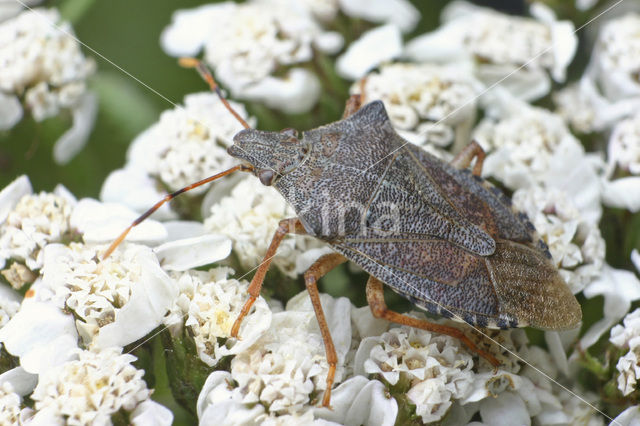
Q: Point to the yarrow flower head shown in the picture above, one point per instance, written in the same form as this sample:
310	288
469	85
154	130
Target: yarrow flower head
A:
284	368
500	44
34	221
189	142
434	366
575	244
44	68
624	145
250	216
257	39
116	300
92	389
427	104
211	302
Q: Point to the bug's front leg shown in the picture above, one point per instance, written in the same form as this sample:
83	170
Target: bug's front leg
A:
464	158
355	101
285	226
375	297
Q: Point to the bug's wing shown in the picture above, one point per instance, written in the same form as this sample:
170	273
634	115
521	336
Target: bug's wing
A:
514	287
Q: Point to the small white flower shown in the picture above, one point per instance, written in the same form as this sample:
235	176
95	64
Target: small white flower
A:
250	216
575	244
211	302
416	96
91	388
438	370
628	336
44	66
629	417
400	13
381	44
500	44
573	105
34	222
115	300
12	411
256	40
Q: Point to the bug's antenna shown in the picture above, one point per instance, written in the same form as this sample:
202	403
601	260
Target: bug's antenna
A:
167	198
206	76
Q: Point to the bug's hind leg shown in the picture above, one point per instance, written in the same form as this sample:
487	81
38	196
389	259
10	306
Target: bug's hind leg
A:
320	268
375	297
466	156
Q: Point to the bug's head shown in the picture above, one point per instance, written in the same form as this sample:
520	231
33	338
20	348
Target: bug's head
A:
272	154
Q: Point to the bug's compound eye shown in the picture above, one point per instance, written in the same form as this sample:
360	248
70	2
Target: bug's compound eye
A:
266	176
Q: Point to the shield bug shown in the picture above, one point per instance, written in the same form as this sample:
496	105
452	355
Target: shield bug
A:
434	232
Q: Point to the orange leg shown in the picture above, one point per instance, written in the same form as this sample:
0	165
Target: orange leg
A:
311	277
375	297
286	226
464	158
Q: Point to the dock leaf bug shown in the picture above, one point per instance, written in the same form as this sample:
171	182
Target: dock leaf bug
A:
434	232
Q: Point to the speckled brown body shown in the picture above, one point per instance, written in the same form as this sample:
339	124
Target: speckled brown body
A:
439	236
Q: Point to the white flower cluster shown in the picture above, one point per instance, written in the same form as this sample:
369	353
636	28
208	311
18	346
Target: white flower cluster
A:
427	104
627	336
188	143
11	410
257	39
91	389
28	222
35	221
575	244
521	145
44	67
609	89
249	216
99	291
211	302
515	51
437	370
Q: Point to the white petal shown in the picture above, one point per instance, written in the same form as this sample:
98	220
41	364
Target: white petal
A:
103	222
179	229
622	193
359	401
41	335
72	141
134	188
527	84
629	417
565	43
11	194
149	302
399	12
505	410
187	253
371	49
189	28
10	111
296	93
151	413
23	383
441	45
216	404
